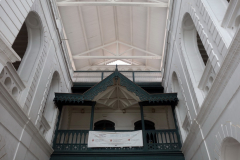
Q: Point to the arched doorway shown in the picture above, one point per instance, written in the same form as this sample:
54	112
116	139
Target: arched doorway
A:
104	125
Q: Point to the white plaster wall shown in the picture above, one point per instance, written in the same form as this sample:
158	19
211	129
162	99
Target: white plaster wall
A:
163	117
216	116
20	138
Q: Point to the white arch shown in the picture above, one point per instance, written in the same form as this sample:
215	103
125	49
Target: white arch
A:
230	149
35	45
190	47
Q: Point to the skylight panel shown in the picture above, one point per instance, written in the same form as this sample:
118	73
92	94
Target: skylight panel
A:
118	62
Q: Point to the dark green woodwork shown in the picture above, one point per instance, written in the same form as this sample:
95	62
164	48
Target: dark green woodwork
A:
75	141
158	144
109	81
153	87
117	156
120	156
143	127
92	116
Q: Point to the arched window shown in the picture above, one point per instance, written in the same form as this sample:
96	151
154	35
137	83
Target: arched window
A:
28	44
195	53
181	110
104	125
230	149
50	111
149	125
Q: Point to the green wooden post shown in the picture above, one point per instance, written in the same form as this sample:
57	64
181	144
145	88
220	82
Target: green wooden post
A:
133	76
102	76
143	128
92	116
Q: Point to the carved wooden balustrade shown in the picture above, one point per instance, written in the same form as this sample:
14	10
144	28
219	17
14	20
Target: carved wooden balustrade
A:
156	140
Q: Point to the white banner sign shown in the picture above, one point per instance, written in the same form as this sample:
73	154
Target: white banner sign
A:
115	139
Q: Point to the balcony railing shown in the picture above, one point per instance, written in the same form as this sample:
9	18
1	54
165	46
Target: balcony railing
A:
135	76
156	140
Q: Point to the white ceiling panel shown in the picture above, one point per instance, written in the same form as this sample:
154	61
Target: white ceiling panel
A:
115	31
73	29
90	19
158	20
107	22
139	27
124	29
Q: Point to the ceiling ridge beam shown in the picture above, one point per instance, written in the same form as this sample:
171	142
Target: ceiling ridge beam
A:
117	57
94	49
139	49
112	3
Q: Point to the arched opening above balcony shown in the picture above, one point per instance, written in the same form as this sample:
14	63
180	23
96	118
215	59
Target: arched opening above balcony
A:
28	45
194	51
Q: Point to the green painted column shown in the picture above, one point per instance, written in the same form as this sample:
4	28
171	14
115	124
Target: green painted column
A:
143	128
92	116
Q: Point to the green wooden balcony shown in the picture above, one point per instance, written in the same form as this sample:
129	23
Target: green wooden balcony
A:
75	141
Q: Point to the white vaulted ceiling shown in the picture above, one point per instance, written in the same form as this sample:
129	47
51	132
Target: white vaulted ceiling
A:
98	35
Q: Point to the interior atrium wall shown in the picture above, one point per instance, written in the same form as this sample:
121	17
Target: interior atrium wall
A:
23	127
213	102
